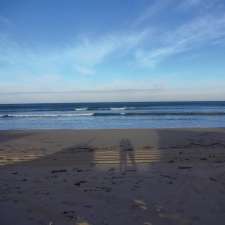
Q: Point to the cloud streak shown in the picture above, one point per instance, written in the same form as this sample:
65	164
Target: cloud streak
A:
205	30
79	58
153	9
4	21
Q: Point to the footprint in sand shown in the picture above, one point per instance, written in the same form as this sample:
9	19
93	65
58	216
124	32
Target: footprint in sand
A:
175	217
82	222
139	204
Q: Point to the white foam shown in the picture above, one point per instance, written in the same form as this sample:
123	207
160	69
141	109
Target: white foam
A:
45	115
118	108
81	109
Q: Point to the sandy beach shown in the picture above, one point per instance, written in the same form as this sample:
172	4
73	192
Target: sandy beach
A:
112	177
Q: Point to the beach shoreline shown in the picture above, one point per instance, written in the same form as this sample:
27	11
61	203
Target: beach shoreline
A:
112	176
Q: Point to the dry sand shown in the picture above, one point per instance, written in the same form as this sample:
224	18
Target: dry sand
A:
112	177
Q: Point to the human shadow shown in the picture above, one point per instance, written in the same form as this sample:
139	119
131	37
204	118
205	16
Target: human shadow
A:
126	154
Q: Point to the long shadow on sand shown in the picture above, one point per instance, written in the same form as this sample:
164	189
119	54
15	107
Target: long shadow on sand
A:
126	155
74	156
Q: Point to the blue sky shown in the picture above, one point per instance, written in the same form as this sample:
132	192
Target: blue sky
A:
79	50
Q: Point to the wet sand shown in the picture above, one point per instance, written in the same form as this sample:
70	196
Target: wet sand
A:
112	177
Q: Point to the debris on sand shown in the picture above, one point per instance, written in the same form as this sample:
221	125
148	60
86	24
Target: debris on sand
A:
59	171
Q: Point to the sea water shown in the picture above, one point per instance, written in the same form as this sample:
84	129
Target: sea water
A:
112	115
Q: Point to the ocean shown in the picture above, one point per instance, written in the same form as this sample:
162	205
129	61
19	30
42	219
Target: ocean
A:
112	115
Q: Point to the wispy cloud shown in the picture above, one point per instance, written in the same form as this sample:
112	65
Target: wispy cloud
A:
4	21
187	4
88	52
157	8
78	58
200	5
153	9
200	31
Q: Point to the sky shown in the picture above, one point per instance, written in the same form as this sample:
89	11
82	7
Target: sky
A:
104	50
